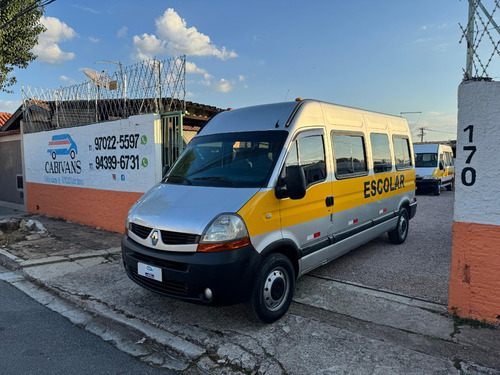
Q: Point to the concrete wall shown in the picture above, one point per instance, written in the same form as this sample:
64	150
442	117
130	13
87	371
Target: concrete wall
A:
475	264
11	166
92	174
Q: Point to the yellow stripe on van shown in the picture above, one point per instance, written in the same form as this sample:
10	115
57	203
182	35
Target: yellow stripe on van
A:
262	212
356	192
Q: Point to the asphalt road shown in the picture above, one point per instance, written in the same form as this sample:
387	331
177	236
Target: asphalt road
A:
36	340
418	268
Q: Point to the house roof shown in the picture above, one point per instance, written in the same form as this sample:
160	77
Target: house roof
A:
4	116
195	116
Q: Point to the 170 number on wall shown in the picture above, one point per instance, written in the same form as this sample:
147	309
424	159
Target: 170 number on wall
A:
469	173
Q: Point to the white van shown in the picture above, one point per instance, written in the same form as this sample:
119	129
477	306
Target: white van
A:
434	167
264	195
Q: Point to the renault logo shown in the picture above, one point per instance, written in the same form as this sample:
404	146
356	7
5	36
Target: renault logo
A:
154	238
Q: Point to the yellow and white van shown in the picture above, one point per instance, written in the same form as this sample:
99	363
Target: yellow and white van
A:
264	195
434	167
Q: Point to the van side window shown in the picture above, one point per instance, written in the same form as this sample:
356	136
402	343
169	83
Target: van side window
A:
349	153
309	152
381	151
402	152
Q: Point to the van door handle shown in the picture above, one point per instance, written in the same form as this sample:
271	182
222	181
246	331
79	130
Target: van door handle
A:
329	201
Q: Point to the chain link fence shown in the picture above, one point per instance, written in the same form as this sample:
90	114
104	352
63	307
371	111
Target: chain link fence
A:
151	86
481	34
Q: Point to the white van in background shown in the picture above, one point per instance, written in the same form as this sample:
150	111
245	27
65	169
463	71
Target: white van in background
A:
265	194
434	167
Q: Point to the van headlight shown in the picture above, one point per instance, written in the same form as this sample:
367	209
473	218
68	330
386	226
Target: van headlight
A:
225	232
429	177
127	223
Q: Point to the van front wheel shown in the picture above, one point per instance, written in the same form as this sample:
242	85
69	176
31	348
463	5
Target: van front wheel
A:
273	288
398	235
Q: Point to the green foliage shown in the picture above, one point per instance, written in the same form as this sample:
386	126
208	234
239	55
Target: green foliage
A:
19	30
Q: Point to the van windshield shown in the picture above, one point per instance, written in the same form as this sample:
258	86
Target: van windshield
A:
243	159
423	160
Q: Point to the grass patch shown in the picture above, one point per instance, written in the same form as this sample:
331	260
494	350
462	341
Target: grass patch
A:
474	323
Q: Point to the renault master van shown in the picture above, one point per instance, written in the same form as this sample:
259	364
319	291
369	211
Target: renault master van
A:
434	167
265	194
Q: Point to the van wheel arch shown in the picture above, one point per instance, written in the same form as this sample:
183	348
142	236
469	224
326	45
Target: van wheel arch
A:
288	249
399	234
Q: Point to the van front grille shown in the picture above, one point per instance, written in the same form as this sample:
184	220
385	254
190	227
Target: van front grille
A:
178	238
168	237
140	230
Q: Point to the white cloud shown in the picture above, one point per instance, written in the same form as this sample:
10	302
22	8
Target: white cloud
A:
148	46
93	40
122	33
178	39
9	106
47	49
192	68
222	85
67	79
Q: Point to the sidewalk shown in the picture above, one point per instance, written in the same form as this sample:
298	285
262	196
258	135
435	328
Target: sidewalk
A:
331	328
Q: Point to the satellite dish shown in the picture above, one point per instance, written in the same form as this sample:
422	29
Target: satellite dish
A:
100	79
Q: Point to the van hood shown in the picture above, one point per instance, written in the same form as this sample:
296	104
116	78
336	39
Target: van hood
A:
187	209
424	171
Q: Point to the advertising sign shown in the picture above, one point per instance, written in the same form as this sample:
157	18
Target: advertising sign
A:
117	155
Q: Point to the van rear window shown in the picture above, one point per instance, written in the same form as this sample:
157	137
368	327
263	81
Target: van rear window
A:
243	159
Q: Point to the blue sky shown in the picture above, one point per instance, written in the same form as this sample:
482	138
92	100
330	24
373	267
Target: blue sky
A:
387	56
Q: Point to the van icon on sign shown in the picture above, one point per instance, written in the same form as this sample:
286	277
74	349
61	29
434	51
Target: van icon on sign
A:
62	144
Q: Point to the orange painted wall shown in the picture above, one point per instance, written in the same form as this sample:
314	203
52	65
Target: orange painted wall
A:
103	209
475	271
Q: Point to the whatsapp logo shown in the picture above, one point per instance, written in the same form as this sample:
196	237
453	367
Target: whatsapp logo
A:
144	140
144	162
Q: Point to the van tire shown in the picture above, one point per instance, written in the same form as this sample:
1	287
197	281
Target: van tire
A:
273	289
437	190
398	235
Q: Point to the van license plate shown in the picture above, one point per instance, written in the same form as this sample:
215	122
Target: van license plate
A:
149	271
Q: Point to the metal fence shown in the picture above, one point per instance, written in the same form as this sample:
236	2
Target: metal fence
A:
151	86
482	38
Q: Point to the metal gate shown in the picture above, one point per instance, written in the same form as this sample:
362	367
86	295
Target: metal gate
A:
173	142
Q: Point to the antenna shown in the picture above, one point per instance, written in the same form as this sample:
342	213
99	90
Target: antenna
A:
124	82
100	79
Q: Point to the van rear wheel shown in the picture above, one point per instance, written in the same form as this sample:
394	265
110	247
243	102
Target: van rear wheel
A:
398	235
273	288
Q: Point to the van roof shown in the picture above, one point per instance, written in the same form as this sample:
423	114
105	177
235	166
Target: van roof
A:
278	115
429	147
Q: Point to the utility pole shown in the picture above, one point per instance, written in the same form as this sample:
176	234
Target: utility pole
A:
421	134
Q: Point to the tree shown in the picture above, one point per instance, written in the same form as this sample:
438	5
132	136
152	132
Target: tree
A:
19	29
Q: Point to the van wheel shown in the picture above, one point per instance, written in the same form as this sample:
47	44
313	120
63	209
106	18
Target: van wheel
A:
273	289
398	235
437	190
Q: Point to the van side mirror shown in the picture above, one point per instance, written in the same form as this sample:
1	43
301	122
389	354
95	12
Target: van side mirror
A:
293	185
441	165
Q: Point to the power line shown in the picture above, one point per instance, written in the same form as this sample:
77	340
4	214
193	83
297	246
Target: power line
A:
28	9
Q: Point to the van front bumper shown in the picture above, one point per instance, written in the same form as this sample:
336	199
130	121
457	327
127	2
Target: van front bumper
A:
229	275
424	184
